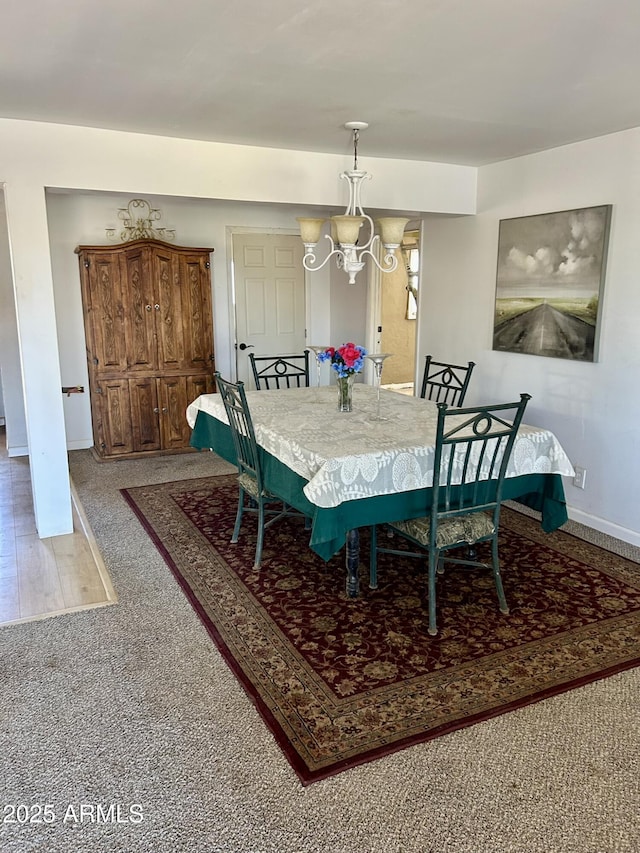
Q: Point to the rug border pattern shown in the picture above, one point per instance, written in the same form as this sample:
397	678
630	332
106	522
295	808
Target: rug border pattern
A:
310	765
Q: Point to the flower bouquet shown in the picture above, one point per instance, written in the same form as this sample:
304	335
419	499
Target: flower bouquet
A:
347	360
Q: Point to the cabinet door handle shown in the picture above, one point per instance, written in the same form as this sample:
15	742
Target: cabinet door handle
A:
157	307
164	410
156	411
148	307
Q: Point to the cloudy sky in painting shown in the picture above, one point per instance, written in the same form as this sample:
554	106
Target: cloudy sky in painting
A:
559	254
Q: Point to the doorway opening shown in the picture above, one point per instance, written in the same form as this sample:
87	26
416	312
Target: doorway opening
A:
398	311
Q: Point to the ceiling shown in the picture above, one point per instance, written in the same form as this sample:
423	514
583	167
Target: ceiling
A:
455	81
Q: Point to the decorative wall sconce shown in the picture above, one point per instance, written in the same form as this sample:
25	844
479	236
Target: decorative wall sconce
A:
138	218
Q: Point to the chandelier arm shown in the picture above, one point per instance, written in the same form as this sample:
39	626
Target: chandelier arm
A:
355	179
310	260
363	176
389	260
372	235
350	209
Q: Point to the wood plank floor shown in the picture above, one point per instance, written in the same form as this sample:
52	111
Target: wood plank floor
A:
43	577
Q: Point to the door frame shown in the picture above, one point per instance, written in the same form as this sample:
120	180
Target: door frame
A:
375	283
230	231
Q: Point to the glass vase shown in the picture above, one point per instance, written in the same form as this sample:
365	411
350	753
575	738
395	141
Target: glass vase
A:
378	360
316	350
345	393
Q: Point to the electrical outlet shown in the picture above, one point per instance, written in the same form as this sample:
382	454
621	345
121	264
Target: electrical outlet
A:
579	477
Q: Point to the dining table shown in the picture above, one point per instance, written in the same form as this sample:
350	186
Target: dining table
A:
372	465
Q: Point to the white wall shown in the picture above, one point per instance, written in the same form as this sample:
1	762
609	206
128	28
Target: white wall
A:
11	387
51	155
81	219
593	408
349	308
35	156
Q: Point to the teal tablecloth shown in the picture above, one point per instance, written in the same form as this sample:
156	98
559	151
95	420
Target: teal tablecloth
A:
542	492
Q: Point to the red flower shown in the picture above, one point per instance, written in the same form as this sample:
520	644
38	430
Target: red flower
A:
350	354
345	360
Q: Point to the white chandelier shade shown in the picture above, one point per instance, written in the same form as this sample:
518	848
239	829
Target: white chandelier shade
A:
345	228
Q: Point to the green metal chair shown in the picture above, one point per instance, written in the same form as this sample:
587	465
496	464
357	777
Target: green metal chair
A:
445	383
473	446
282	371
253	496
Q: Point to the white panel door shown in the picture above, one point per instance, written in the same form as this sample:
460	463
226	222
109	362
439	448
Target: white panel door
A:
270	297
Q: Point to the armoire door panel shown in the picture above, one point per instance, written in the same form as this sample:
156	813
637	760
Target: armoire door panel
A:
114	432
168	312
204	383
140	316
174	428
196	313
145	413
104	313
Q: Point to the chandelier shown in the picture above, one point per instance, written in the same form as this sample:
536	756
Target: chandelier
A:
345	229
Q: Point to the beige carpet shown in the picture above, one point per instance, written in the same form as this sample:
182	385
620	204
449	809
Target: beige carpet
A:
133	704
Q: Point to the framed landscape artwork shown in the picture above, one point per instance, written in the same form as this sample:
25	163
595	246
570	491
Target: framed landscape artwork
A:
549	283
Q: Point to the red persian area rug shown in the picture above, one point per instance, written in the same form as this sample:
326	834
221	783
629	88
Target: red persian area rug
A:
343	681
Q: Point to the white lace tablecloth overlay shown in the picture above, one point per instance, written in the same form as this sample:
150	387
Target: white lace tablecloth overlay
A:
348	456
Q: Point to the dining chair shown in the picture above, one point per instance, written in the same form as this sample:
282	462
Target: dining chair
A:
253	496
445	383
473	447
281	371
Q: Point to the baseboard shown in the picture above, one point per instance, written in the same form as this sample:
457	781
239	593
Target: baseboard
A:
80	445
18	451
603	526
93	545
592	529
71	445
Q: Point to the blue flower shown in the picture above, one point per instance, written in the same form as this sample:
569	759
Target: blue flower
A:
346	360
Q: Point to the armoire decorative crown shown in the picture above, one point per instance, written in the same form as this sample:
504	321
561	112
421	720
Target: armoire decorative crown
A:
138	218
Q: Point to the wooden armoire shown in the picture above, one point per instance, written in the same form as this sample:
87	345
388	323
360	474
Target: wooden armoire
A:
149	331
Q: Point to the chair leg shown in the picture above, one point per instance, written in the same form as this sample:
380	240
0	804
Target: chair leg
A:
373	559
433	566
236	529
258	557
502	601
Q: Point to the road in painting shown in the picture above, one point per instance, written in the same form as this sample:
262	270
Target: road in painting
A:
549	279
546	331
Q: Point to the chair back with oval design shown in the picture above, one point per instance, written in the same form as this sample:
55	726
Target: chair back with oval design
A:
445	383
281	371
471	457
